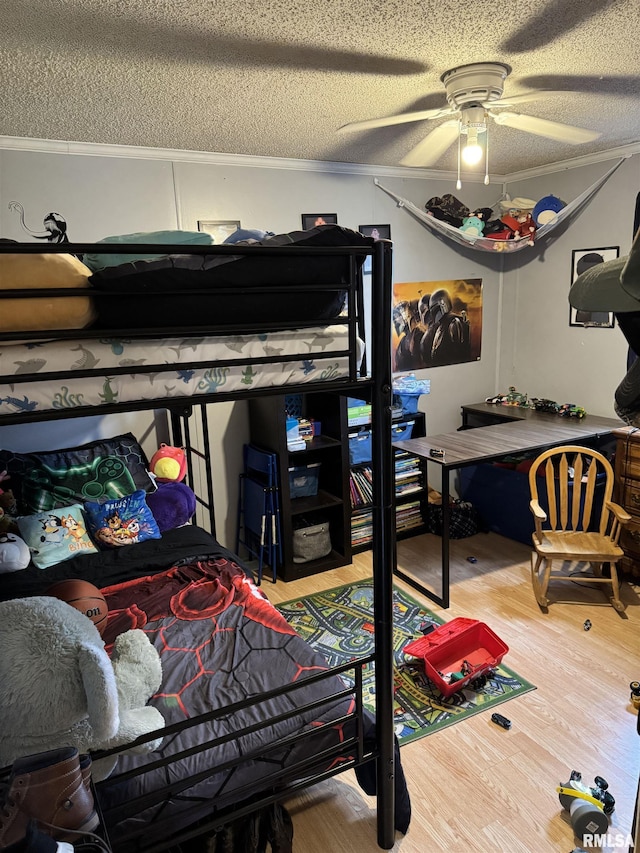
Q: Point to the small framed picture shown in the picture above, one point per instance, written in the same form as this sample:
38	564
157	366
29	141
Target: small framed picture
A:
378	232
582	260
312	220
219	229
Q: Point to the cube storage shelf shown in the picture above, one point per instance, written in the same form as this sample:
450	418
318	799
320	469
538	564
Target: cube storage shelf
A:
326	457
410	478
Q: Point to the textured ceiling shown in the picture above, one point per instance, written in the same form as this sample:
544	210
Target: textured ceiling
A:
278	77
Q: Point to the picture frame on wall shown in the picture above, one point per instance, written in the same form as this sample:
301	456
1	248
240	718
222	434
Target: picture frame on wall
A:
313	220
378	232
582	260
219	229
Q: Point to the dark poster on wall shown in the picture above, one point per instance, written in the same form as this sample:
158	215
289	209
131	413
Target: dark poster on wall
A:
436	323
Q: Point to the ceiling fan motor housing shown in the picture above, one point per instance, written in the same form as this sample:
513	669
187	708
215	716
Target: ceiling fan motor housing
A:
473	119
476	83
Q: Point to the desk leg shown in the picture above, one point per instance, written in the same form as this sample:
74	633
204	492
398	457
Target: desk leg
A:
443	599
446	527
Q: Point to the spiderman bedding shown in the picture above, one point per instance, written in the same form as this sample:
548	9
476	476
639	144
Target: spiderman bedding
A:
221	642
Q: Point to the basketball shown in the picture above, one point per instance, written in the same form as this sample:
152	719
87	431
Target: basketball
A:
85	597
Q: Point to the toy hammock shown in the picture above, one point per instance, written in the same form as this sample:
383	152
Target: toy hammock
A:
485	244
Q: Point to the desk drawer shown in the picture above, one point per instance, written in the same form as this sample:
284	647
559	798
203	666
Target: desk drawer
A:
629	566
630	539
628	459
628	495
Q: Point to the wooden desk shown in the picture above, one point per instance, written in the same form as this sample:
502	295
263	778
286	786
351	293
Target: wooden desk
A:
529	432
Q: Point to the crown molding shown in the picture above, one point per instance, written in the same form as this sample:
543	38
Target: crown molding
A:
96	149
574	163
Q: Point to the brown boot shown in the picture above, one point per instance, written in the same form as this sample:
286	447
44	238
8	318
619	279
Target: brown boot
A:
48	788
85	770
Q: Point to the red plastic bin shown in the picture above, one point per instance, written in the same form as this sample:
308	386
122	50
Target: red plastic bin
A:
444	650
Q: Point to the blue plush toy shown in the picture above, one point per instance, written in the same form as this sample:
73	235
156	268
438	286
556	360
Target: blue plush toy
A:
547	209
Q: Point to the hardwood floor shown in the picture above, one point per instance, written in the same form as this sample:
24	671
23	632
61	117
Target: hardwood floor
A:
475	786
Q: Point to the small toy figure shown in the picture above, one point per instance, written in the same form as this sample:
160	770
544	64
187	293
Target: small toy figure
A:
526	227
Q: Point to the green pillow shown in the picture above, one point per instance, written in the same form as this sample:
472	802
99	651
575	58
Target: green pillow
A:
186	238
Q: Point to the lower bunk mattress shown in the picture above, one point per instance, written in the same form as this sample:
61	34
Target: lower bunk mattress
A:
222	647
171	367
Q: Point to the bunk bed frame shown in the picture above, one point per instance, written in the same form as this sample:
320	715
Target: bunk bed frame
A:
372	382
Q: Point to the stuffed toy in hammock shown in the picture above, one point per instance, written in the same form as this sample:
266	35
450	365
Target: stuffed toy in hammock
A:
59	687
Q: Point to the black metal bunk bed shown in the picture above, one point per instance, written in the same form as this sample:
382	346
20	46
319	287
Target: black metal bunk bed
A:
372	383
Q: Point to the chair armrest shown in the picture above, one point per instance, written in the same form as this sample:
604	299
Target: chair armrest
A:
621	514
538	513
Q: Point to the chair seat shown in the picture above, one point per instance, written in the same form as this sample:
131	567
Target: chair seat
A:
570	545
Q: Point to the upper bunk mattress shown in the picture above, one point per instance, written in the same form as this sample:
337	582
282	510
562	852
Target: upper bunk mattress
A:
172	367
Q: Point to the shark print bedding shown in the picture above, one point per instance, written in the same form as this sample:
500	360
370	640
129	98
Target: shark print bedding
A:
61	374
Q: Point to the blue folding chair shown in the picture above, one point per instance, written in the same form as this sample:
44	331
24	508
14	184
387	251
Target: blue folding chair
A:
259	509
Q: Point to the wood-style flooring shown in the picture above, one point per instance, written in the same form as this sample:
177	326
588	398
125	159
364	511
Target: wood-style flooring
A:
478	788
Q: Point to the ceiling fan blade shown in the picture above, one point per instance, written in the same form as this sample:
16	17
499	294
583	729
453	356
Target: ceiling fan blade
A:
433	146
544	127
555	19
421	115
525	98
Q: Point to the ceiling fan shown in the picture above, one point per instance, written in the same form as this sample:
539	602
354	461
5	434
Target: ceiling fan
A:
472	93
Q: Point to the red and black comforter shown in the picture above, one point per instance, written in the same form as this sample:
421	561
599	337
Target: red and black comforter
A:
220	642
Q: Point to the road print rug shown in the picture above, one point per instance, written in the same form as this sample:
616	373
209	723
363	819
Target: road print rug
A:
339	624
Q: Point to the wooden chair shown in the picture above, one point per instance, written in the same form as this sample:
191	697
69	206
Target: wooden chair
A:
579	521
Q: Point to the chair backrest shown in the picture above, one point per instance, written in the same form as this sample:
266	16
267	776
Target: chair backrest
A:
573	485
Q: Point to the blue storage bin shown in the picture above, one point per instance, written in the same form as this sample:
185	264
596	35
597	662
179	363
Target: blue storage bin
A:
303	480
360	447
360	451
501	497
402	430
407	402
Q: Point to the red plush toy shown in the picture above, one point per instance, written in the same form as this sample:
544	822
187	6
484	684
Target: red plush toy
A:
168	464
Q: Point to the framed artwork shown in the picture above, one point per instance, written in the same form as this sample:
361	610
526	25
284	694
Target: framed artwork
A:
436	323
378	232
312	220
581	260
219	229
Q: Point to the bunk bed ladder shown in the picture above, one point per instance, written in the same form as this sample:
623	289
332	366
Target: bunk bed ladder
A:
199	475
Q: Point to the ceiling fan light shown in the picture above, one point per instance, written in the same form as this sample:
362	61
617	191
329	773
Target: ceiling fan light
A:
472	153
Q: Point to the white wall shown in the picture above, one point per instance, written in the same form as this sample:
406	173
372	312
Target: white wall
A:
526	337
106	195
541	354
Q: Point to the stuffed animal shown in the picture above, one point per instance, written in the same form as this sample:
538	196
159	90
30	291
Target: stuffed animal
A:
547	210
59	687
472	225
168	464
172	505
14	553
